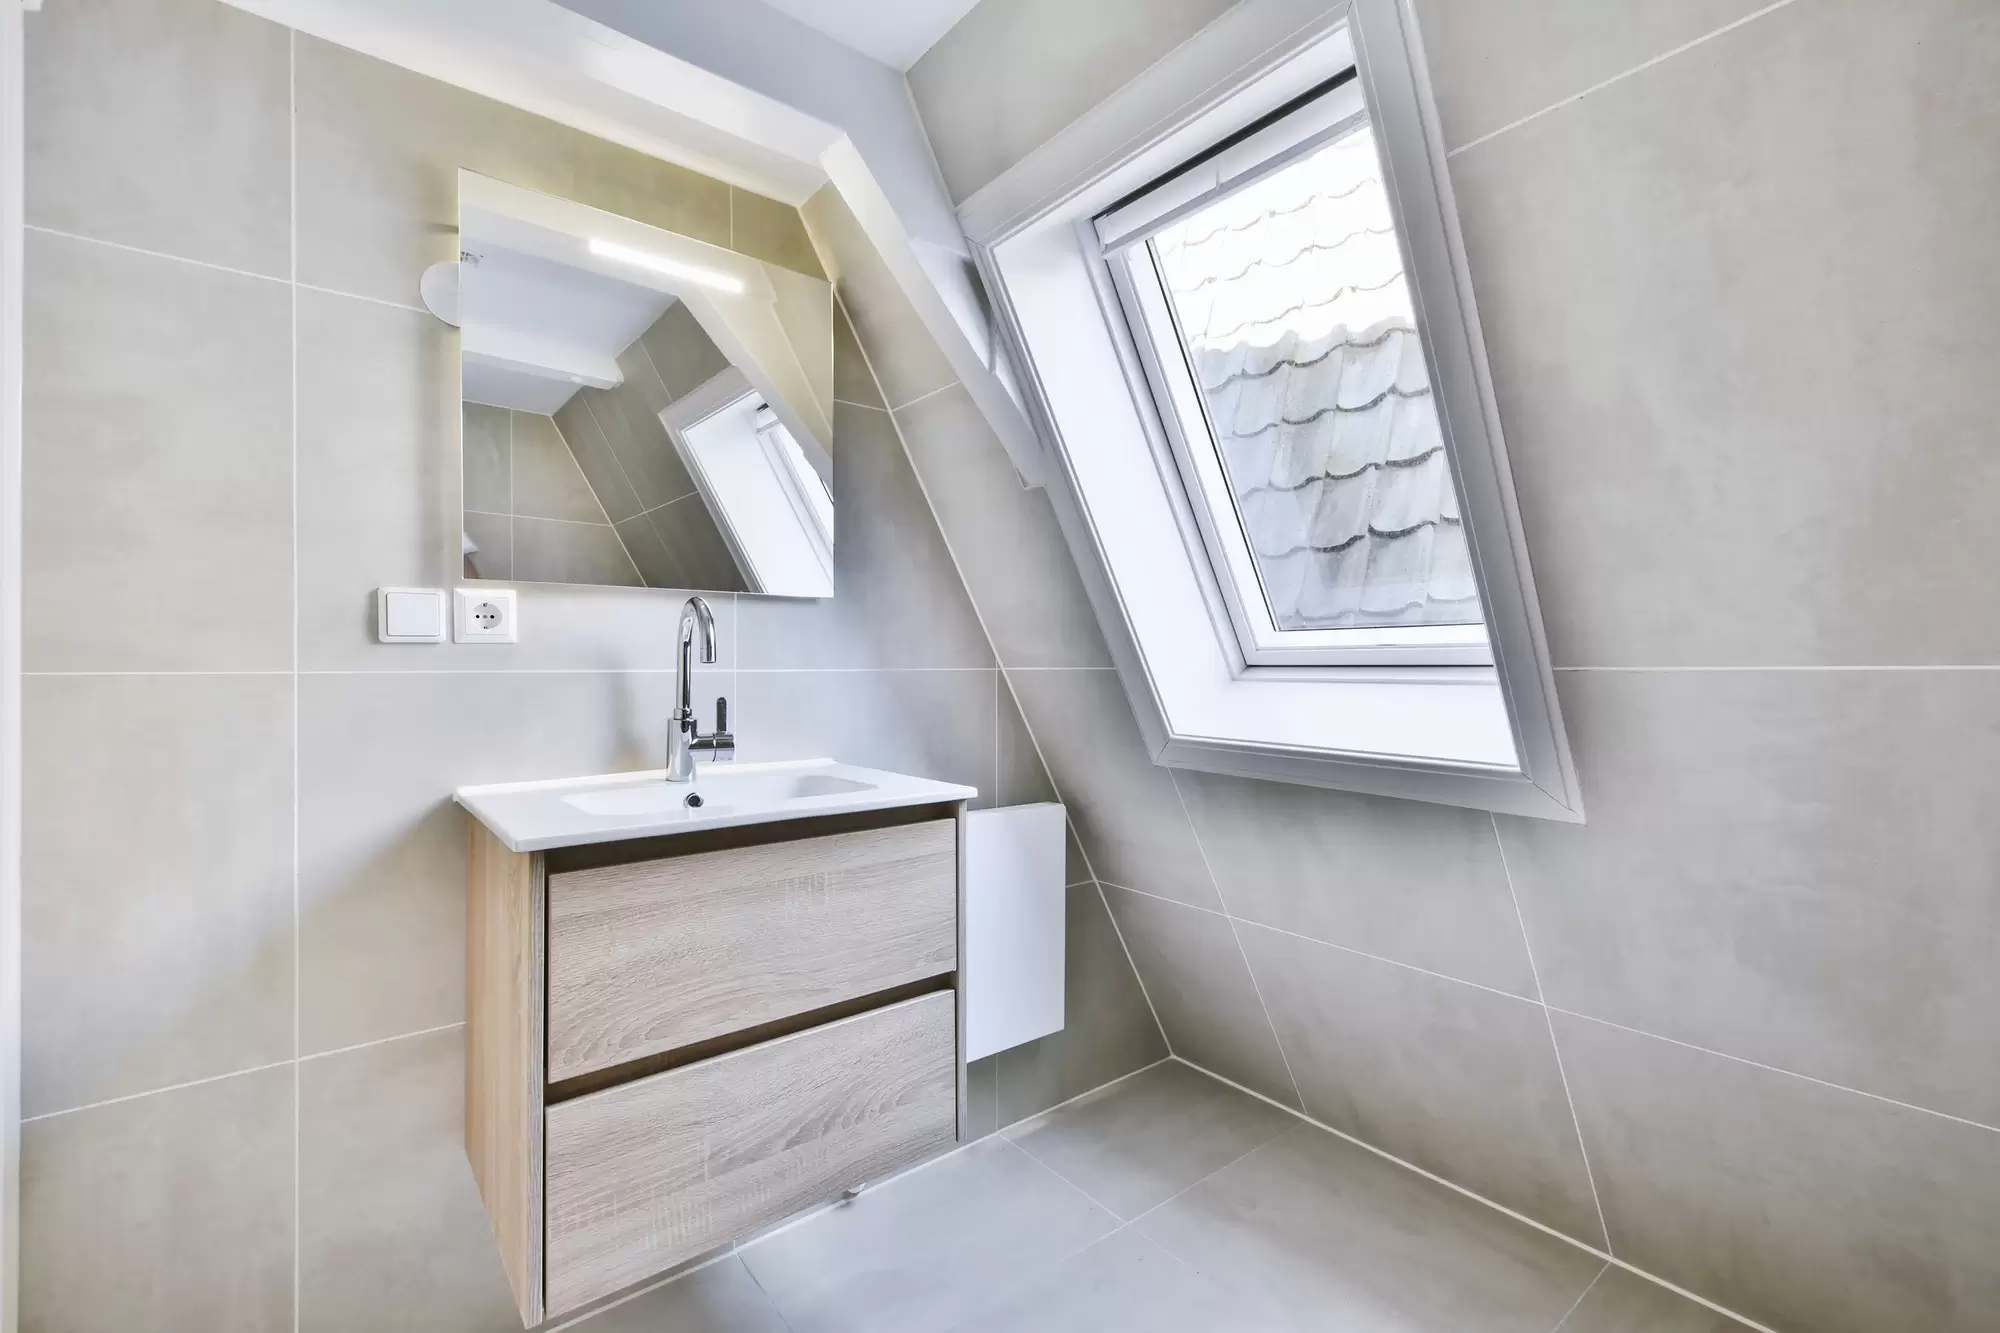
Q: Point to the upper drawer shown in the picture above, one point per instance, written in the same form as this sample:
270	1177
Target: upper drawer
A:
657	955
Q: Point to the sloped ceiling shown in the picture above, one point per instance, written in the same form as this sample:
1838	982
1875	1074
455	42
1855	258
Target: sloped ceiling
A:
895	32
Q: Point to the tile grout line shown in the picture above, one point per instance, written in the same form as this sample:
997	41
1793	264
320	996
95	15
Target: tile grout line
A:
576	463
291	281
1582	1296
1256	988
382	1041
298	1115
1774	1069
1617	78
155	1092
1558	1009
1329	944
241	1073
868	364
1068	1184
1555	1047
1502	1208
952	383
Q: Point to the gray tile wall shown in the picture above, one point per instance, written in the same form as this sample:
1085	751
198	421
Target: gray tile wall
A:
532	511
1734	268
244	885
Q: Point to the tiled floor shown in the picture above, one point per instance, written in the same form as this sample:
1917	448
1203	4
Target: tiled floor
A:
1166	1203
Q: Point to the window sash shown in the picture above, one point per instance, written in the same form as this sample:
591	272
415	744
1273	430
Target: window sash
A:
1125	233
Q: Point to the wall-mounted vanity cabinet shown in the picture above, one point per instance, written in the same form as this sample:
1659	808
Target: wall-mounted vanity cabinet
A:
677	1038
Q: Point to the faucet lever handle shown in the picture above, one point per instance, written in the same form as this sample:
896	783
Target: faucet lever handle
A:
721	715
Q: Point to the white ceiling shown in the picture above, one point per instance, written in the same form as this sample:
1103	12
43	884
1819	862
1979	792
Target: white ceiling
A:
894	32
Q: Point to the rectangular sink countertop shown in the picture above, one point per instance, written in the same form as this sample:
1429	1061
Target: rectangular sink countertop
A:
569	812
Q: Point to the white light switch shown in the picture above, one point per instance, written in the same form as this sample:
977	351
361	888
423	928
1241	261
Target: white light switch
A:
409	615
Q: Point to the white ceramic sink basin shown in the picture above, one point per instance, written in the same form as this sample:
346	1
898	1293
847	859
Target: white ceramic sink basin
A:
725	786
535	816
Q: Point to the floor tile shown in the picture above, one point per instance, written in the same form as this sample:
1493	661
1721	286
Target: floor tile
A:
719	1298
1124	1284
1146	1138
1339	1238
928	1249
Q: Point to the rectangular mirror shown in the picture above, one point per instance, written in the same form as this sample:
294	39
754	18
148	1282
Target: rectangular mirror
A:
640	408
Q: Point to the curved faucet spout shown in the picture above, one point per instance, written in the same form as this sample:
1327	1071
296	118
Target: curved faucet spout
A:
685	737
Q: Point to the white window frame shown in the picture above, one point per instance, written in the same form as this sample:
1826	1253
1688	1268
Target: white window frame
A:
1489	736
1121	237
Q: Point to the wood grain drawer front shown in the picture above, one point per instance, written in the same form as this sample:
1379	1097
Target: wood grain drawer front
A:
657	955
653	1172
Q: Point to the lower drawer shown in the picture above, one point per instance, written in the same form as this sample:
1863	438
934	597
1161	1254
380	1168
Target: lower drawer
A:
647	1174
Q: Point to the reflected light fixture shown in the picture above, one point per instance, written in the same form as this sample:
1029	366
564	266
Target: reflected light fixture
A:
672	268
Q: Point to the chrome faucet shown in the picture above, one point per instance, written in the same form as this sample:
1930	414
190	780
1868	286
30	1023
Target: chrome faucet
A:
685	740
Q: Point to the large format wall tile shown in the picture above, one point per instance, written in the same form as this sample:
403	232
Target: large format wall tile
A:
392	1234
1793	867
934	724
1108	1026
1003	535
551	551
379	150
545	479
379	506
157	464
1412	1255
1495	61
593	453
1203	991
1457	1080
382	846
898	601
1420	884
487	458
1739	309
906	361
1124	808
162	124
156	882
1803	1206
170	1213
1023	779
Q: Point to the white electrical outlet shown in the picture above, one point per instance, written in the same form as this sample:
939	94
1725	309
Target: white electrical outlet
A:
484	615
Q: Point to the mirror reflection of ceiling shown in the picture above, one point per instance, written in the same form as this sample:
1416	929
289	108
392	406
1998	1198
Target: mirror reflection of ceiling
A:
568	327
